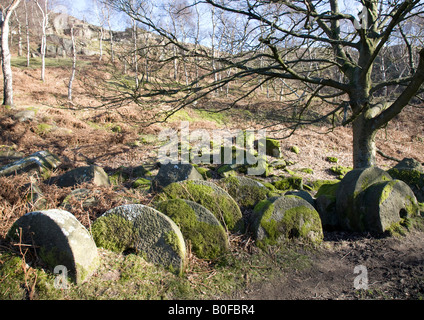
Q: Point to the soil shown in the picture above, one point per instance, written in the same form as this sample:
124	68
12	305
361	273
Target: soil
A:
394	266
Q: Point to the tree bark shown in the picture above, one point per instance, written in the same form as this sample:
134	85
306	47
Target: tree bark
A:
364	148
5	53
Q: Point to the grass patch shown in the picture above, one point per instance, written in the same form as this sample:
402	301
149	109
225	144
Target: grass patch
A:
35	63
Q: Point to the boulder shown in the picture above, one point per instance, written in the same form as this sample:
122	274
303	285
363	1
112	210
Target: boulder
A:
38	162
209	195
61	240
278	219
290	183
92	174
384	205
355	182
245	191
198	226
144	230
169	173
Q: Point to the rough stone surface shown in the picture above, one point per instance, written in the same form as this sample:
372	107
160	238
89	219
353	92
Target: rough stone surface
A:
305	195
385	204
86	197
62	240
286	217
92	174
198	226
142	229
40	162
355	182
245	191
209	195
409	163
325	203
170	173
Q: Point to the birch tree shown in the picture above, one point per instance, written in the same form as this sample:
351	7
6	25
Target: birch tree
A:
6	13
43	7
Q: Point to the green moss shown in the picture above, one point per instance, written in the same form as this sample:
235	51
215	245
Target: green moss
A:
307	170
113	233
298	222
141	183
409	176
208	241
387	190
328	189
223	206
332	159
340	170
246	196
291	183
206	173
43	128
295	149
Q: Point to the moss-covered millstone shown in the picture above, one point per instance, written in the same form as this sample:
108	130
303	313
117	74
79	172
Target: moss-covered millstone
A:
198	225
136	227
61	239
325	204
410	172
355	182
170	173
384	205
245	191
286	217
290	183
209	195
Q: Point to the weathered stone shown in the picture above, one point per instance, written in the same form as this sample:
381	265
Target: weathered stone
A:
384	205
170	173
136	227
286	217
245	191
198	226
325	203
305	195
85	197
92	174
37	162
409	163
61	240
25	115
209	195
290	183
355	182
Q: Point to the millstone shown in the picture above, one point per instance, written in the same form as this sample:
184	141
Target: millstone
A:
286	217
62	240
355	182
142	229
209	195
198	225
385	204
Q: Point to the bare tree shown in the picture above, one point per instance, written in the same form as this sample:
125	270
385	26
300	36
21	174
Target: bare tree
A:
317	48
6	13
74	64
43	7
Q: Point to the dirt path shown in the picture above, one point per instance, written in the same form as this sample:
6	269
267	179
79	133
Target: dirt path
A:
394	266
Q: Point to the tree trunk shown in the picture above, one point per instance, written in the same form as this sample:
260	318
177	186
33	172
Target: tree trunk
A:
5	53
364	148
6	59
74	65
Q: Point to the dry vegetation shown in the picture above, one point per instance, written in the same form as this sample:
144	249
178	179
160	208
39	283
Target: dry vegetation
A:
82	134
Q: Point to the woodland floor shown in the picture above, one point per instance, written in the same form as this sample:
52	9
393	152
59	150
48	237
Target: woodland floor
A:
395	265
